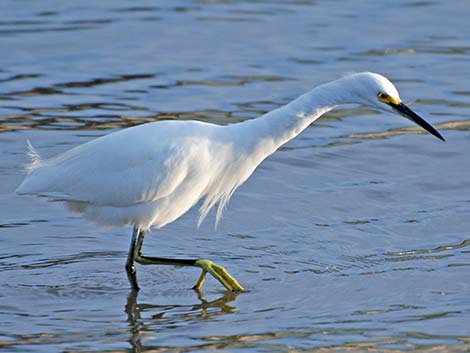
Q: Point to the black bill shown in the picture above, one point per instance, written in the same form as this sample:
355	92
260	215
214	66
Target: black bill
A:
411	115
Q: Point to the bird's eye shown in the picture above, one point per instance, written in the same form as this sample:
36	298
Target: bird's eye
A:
382	95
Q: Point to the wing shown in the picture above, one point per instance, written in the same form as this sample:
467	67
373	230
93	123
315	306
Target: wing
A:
135	165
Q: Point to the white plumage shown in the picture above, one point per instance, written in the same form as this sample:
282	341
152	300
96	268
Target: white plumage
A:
151	174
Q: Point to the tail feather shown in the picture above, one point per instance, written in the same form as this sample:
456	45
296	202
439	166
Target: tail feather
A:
35	160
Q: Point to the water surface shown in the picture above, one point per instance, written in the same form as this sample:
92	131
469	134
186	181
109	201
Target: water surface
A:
352	237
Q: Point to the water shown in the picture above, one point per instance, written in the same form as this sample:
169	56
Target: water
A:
352	237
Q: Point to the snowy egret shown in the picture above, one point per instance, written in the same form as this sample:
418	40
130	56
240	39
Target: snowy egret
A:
151	174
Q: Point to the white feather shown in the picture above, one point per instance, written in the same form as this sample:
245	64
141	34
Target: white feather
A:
34	158
151	174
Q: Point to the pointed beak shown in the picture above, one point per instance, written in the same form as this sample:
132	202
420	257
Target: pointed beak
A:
402	109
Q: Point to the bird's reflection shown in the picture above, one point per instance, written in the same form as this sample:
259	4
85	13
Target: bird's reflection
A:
203	310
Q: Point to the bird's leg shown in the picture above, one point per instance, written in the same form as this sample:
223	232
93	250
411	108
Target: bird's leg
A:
207	266
130	267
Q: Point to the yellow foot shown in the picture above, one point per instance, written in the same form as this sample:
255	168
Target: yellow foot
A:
219	273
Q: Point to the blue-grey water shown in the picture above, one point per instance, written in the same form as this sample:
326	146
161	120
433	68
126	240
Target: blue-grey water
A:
353	237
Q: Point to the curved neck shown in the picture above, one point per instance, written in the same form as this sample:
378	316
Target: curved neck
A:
267	133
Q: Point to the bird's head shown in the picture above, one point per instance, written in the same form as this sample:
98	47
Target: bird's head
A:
377	91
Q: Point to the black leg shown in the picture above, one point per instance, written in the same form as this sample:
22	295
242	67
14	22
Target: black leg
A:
130	266
151	260
135	254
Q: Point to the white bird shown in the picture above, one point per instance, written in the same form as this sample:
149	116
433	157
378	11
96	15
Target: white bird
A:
151	174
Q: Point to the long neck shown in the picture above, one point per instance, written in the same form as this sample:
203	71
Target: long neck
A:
267	133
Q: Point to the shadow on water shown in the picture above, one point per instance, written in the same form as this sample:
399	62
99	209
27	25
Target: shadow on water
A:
165	316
